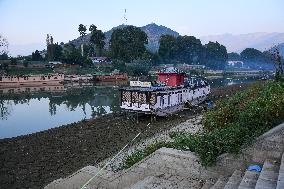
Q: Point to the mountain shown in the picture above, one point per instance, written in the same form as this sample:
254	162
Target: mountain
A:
237	43
153	32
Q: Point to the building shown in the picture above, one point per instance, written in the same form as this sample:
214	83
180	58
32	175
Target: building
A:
102	59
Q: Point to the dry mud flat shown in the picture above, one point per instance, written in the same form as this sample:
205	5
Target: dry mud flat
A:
34	160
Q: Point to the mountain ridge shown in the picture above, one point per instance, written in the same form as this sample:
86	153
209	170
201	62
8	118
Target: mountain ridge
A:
152	30
238	42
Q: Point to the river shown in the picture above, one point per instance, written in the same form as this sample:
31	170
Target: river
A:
28	110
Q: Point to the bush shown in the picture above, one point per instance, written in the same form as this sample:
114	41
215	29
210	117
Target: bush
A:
230	125
141	154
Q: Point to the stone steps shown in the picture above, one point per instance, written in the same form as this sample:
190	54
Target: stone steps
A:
221	182
280	181
249	180
235	180
269	175
170	168
161	182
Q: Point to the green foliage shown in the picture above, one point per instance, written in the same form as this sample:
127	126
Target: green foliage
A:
189	50
234	56
97	38
230	125
54	52
82	30
4	56
138	67
251	54
36	56
29	71
215	55
128	44
141	154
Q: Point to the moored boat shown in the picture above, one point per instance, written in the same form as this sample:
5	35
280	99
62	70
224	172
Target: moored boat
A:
170	94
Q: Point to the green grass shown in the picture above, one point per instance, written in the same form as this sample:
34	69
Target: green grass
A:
233	123
29	71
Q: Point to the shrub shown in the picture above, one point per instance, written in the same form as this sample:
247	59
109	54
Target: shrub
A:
231	124
141	154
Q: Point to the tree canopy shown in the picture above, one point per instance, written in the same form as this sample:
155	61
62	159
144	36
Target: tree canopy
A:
189	50
97	38
252	55
36	56
82	30
128	44
215	55
234	56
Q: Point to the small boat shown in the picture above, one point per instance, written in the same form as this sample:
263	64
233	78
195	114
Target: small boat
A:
169	94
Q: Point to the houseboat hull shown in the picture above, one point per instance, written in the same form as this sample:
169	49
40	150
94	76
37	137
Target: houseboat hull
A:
162	101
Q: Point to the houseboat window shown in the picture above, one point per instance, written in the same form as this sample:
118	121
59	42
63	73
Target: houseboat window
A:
0	78
161	100
180	97
169	99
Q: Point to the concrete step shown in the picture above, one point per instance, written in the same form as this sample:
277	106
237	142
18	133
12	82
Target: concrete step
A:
269	175
208	184
249	180
173	182
221	182
235	180
280	182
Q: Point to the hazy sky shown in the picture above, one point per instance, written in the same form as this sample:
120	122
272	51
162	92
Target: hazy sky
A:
25	23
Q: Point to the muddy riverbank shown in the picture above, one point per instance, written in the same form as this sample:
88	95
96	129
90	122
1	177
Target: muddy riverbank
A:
34	160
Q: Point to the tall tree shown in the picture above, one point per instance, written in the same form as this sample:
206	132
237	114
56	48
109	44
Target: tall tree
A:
167	43
3	45
183	49
82	30
36	56
234	56
97	38
215	55
71	55
128	44
55	51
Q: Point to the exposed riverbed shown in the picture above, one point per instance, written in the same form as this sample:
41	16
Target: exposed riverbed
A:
34	160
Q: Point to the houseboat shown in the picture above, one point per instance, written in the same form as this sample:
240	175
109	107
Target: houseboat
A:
170	94
30	80
114	76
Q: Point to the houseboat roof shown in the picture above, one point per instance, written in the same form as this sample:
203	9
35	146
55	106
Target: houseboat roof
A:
150	89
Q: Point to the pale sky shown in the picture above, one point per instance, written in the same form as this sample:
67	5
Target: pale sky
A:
25	23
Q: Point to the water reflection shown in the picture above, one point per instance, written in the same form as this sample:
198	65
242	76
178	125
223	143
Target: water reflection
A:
24	111
27	110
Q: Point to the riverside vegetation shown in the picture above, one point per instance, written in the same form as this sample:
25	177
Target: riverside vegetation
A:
231	124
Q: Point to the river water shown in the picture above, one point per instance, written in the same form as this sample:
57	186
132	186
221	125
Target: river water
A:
28	110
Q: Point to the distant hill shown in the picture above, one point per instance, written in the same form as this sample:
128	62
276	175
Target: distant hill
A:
237	43
153	32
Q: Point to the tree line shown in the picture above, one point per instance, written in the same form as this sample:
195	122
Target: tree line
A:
128	51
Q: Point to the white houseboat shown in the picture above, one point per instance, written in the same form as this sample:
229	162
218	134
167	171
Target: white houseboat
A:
31	80
170	94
